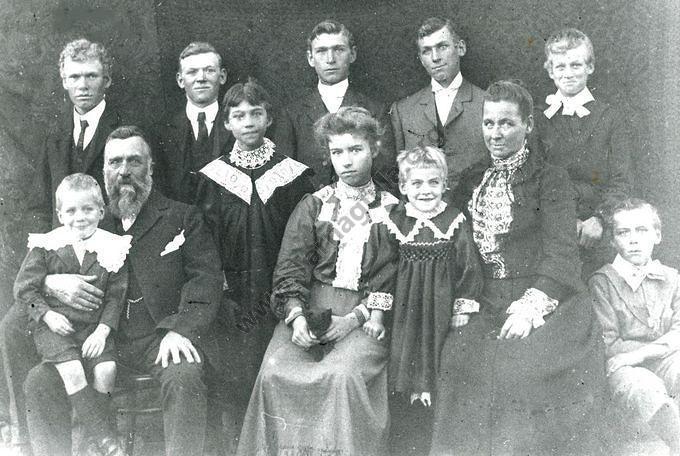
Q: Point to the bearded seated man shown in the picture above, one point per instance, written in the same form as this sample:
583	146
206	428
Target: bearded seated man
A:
172	298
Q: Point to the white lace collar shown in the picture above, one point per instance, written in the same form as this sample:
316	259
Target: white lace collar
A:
110	248
252	159
365	193
411	211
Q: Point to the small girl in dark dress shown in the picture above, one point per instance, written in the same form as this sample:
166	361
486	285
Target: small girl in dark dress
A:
439	275
247	197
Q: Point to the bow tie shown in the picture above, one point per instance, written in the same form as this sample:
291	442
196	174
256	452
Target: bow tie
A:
568	109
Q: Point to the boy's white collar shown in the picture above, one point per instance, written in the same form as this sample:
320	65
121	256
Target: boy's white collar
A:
572	105
635	275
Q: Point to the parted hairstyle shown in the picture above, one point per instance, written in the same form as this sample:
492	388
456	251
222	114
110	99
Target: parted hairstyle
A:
564	40
350	119
629	204
79	182
252	92
82	50
434	24
421	157
131	131
512	91
330	27
195	48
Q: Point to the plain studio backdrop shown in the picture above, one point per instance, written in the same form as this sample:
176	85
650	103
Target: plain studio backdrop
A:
635	68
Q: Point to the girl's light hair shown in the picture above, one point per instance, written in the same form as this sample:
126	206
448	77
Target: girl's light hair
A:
79	182
564	40
421	157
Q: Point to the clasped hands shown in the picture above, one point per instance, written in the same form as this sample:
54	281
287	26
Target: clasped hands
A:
339	328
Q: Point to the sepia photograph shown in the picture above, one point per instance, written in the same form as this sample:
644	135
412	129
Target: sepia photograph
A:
339	228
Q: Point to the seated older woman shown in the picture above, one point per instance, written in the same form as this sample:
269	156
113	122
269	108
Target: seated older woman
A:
323	395
519	377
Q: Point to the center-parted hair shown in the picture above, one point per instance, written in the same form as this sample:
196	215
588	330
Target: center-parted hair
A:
421	157
564	40
252	92
195	48
629	204
434	24
82	50
350	119
79	182
514	92
329	27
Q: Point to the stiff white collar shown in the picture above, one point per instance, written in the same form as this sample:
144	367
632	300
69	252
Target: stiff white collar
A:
337	90
571	105
635	275
453	87
210	114
411	211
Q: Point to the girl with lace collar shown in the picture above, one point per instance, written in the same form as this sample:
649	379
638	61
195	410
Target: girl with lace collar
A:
439	275
71	339
331	257
247	196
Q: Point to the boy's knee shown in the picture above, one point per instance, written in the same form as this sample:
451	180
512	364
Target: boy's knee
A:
42	378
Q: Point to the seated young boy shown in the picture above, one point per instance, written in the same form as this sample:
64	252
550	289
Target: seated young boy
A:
74	341
588	137
637	300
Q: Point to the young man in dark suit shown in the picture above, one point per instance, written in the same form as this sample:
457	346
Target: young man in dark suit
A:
196	135
74	144
172	299
448	112
330	51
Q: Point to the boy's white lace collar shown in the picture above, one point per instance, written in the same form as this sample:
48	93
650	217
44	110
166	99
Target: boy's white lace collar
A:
365	193
252	159
110	248
411	211
635	275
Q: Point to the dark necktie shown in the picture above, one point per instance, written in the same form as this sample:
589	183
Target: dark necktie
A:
81	138
202	129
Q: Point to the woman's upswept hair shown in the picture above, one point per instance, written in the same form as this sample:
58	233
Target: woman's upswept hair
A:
349	119
514	92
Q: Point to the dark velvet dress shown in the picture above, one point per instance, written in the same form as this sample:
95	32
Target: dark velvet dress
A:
521	396
439	274
331	258
247	211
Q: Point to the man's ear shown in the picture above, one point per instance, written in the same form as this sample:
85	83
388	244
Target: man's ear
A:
461	48
353	54
180	80
310	58
658	236
223	76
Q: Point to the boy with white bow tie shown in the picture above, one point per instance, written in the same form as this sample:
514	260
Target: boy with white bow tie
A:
637	301
589	138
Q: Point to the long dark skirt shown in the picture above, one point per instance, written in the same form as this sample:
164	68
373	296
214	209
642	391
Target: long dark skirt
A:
517	397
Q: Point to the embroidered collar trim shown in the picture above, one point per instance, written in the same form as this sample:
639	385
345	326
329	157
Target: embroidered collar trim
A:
365	193
252	159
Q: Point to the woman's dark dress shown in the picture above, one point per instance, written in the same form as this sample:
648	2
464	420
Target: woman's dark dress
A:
524	396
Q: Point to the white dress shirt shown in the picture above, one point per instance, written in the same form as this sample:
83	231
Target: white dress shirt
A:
210	114
92	117
332	95
444	96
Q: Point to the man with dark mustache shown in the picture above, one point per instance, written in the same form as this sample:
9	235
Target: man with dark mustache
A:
172	299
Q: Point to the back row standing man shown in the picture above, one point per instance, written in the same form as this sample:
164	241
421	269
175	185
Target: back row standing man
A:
196	135
447	113
74	144
330	51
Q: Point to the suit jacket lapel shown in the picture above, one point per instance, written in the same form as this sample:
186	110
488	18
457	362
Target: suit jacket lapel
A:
107	123
223	139
464	95
590	121
351	98
151	211
68	256
315	107
427	105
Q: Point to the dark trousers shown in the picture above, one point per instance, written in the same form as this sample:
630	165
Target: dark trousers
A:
17	357
183	399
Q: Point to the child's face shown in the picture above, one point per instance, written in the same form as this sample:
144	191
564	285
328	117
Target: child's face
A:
352	158
80	212
424	188
248	123
634	235
570	71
